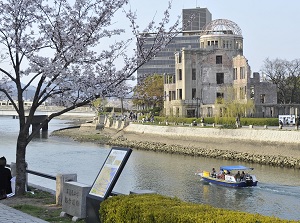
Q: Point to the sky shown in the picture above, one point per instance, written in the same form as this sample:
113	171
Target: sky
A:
269	27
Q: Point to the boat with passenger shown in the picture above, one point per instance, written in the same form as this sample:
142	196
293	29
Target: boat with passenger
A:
230	176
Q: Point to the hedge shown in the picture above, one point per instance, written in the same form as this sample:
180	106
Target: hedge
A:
220	120
153	208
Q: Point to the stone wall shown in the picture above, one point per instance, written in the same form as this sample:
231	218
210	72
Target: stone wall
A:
242	134
263	135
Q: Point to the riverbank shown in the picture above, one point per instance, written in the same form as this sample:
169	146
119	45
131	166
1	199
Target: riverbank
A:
252	151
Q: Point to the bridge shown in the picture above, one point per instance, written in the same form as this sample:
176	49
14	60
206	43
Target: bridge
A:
48	110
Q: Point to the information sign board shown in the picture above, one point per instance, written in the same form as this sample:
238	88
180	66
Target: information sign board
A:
110	172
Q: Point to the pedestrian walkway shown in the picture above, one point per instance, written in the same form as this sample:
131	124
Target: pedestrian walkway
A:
11	215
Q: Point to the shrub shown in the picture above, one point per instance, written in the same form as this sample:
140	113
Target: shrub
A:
150	208
225	121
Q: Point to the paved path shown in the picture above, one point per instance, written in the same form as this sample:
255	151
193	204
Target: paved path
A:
11	215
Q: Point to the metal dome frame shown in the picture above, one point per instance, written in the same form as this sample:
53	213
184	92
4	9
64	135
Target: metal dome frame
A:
221	26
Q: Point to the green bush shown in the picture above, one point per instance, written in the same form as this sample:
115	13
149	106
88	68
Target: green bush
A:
109	109
152	208
220	120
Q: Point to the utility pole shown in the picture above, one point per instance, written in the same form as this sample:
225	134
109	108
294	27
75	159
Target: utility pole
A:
197	109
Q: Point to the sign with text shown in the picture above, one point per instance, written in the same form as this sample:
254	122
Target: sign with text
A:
110	172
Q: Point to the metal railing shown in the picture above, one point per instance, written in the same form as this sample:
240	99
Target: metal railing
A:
48	176
51	177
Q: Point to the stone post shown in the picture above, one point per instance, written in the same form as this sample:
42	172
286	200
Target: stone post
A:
74	200
60	180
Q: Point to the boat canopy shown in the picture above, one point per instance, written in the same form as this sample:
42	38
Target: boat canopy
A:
235	168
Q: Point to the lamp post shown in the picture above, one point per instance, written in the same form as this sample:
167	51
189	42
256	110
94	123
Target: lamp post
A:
197	107
197	115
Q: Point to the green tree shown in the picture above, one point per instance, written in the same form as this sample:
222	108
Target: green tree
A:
149	93
99	104
231	107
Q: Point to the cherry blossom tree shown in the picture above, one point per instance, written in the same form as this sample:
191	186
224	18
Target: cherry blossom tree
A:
61	47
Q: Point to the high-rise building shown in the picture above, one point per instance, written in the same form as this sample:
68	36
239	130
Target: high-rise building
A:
201	16
164	61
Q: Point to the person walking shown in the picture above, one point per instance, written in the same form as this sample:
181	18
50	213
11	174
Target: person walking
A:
5	177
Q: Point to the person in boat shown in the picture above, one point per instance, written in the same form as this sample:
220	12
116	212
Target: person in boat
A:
226	172
213	173
242	176
237	176
220	174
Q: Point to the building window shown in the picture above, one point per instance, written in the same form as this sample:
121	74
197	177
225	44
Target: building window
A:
242	72
220	78
209	111
262	98
193	74
179	94
190	113
193	93
241	92
218	59
234	73
179	58
220	97
235	93
179	74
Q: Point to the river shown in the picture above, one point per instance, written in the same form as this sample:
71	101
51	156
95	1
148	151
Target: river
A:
277	193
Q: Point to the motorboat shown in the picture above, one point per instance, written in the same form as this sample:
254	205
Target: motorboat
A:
230	176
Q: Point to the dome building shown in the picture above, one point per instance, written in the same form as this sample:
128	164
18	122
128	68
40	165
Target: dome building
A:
214	73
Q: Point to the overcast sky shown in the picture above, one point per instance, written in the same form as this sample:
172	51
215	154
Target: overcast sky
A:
270	27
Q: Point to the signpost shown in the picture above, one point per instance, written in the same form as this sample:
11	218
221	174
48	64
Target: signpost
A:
105	181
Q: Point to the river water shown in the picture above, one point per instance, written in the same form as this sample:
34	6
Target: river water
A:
277	193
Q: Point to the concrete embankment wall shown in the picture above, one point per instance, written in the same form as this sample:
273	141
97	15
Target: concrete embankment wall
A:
263	135
266	135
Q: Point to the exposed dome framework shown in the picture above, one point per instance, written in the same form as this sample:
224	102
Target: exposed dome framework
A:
221	26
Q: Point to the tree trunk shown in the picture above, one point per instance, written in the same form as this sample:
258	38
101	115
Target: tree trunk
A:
21	165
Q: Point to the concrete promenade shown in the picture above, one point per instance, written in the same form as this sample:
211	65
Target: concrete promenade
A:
11	215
